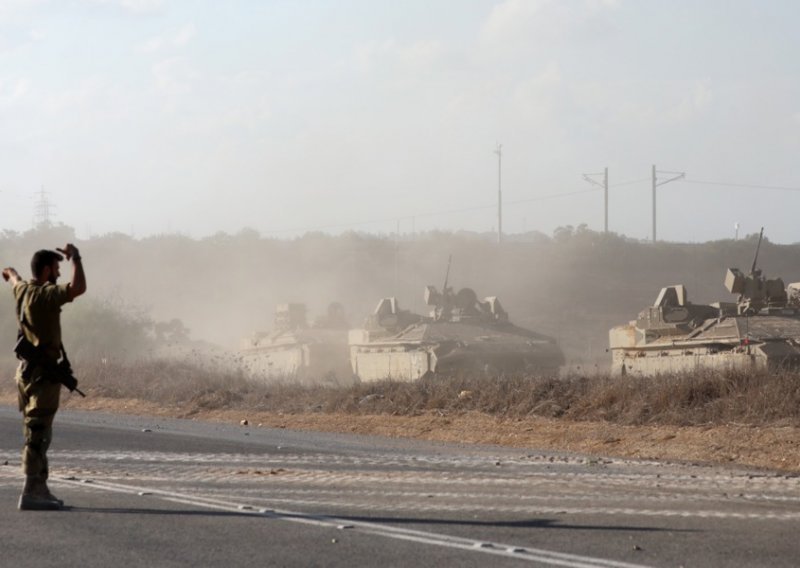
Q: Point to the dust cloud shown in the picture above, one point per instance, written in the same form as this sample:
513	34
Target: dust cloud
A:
573	286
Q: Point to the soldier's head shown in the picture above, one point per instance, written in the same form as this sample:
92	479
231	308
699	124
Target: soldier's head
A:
44	265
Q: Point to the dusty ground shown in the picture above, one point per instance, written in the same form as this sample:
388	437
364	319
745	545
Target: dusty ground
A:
772	447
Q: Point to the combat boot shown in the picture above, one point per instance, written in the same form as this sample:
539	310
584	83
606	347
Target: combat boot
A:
49	495
37	497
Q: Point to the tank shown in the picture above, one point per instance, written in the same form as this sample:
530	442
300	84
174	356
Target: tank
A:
296	350
460	334
760	330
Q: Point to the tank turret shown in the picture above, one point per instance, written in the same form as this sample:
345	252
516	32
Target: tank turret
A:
463	305
335	318
290	317
755	291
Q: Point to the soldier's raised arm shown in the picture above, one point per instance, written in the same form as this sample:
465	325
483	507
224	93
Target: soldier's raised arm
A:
78	284
10	275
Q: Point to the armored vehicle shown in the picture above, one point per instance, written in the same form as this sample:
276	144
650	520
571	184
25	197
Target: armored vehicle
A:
760	330
461	334
296	350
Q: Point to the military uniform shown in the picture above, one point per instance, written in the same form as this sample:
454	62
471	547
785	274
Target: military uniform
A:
39	311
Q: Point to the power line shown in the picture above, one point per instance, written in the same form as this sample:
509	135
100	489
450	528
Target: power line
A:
655	180
554	196
427	213
629	182
412	217
743	185
604	185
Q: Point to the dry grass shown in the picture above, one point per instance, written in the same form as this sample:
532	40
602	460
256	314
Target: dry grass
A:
684	400
730	418
708	398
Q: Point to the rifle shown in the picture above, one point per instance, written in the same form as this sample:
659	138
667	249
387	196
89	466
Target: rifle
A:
59	371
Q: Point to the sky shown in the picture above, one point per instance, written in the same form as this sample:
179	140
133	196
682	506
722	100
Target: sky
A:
196	117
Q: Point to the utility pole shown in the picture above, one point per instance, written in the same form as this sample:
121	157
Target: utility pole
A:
656	183
499	152
605	199
397	260
604	185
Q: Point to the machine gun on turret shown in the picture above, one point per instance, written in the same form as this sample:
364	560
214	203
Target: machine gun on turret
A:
755	291
441	302
463	305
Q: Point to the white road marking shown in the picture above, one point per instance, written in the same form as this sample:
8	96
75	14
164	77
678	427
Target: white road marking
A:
538	555
359	482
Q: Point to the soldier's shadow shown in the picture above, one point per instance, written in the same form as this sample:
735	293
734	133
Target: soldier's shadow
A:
144	511
540	523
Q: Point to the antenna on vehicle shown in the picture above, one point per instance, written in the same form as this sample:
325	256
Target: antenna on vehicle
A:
447	274
755	260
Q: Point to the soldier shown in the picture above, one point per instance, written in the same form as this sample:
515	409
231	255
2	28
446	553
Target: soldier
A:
39	304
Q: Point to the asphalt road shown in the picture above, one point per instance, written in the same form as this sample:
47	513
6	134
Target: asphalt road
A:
156	492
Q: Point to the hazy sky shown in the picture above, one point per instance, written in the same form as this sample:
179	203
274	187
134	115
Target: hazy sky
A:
153	116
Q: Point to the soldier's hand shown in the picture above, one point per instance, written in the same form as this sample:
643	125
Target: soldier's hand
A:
69	251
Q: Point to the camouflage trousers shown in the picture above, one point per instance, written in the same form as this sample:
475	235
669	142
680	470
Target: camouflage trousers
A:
38	402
